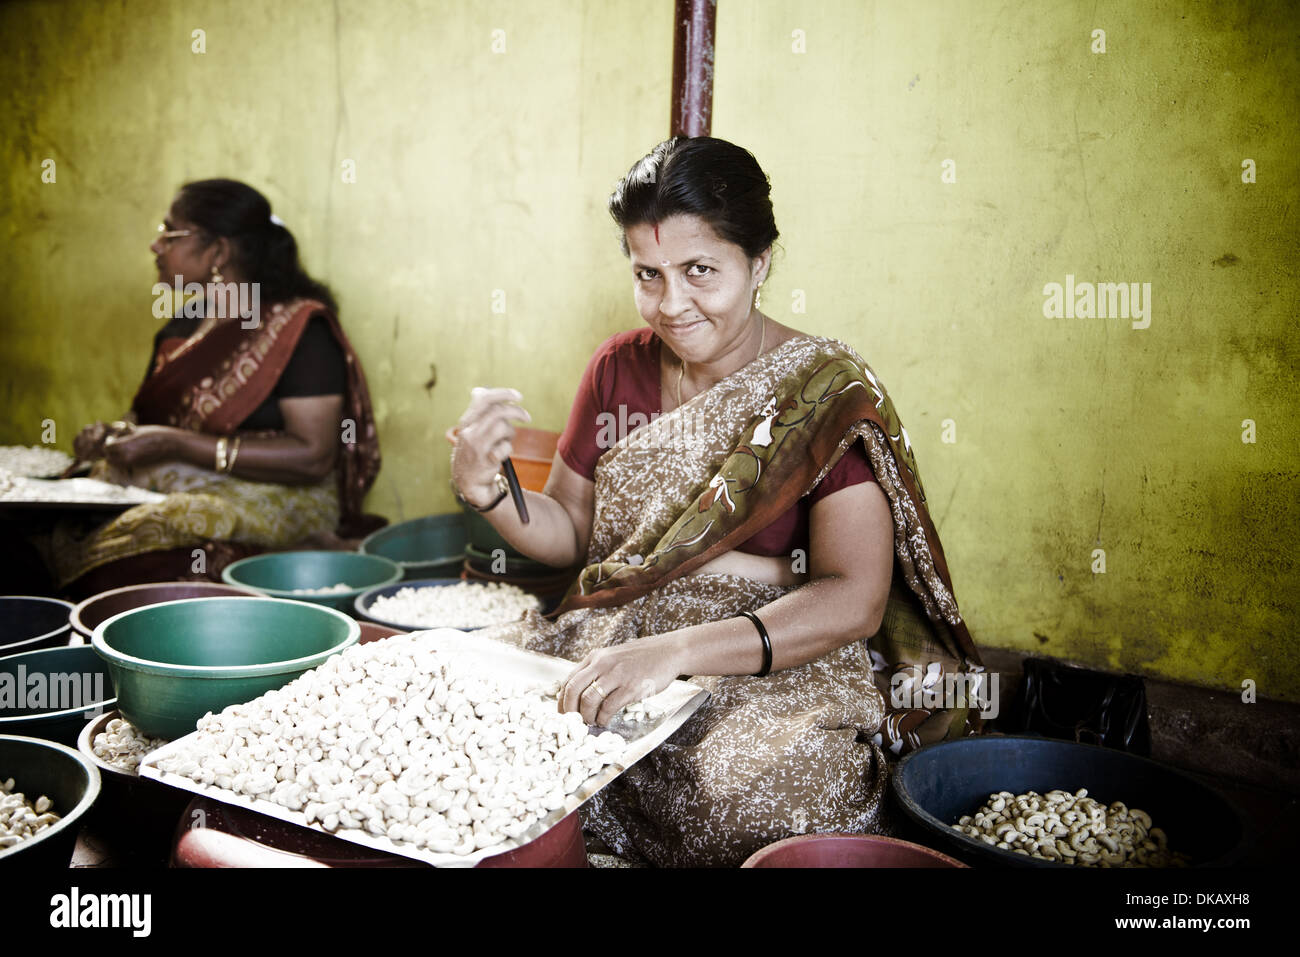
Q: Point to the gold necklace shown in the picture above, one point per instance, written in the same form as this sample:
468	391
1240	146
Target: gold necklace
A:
681	368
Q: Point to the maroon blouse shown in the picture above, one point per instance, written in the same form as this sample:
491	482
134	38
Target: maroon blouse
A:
625	372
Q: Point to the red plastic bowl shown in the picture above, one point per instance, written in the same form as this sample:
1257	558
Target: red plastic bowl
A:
848	850
372	632
212	834
97	609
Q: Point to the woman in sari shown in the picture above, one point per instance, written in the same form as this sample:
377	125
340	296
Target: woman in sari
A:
764	522
254	417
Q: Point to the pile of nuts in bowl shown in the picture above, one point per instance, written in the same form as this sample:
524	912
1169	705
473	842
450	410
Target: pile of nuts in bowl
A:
399	740
122	746
1070	828
21	819
462	605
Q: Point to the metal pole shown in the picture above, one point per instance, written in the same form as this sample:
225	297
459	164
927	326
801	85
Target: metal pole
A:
693	28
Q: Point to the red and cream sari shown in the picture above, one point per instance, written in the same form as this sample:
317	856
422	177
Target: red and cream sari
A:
211	383
803	749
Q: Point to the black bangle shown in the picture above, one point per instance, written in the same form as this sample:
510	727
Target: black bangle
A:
767	644
502	488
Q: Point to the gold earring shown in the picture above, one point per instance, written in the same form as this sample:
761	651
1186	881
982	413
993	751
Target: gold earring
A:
758	296
216	276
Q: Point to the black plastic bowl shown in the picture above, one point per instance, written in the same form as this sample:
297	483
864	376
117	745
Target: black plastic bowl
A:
938	784
51	693
66	778
28	622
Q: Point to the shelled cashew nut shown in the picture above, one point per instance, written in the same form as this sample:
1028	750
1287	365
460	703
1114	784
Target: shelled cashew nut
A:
21	819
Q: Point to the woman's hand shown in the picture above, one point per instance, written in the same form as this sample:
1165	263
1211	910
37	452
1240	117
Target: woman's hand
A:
484	442
89	443
608	679
142	445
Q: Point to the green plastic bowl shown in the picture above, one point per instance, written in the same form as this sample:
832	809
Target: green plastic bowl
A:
429	547
277	574
174	662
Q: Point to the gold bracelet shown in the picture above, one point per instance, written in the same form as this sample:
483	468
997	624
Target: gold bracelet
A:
234	454
221	455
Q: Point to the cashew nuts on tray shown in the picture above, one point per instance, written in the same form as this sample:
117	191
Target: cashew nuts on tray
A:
392	738
20	818
1070	829
35	461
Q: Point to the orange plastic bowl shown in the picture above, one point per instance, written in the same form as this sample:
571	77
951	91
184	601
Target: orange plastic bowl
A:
848	850
533	452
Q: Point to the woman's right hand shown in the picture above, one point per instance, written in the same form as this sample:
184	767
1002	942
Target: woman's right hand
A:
89	443
485	440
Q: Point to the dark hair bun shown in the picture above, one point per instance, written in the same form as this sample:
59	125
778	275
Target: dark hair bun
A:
262	250
701	176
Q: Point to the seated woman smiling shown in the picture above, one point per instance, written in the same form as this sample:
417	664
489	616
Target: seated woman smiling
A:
258	428
762	525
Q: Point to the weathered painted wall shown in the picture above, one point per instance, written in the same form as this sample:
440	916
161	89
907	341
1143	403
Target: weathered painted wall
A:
482	174
481	161
1071	435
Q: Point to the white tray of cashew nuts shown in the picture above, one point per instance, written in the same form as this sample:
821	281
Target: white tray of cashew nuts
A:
441	746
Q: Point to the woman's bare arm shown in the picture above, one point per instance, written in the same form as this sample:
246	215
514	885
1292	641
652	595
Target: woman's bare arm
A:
850	560
304	454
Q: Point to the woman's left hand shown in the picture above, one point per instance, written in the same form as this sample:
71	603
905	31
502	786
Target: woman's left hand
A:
142	445
608	679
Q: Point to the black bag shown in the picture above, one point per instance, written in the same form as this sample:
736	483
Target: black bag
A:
1091	707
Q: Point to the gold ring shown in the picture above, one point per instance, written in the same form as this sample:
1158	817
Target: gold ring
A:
600	691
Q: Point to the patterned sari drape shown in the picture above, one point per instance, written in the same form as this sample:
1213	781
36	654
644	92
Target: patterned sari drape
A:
803	748
211	383
214	382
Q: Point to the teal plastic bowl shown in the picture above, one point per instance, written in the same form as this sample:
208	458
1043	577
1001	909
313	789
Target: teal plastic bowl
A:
429	547
278	574
51	693
174	662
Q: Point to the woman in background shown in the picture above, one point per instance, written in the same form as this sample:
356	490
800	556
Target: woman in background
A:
258	427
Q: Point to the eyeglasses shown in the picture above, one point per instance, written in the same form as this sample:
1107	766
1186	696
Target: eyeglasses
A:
171	235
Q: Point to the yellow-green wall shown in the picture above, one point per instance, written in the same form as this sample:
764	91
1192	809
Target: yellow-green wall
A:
479	171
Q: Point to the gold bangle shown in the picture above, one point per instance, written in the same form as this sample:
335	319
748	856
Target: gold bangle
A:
234	454
221	455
